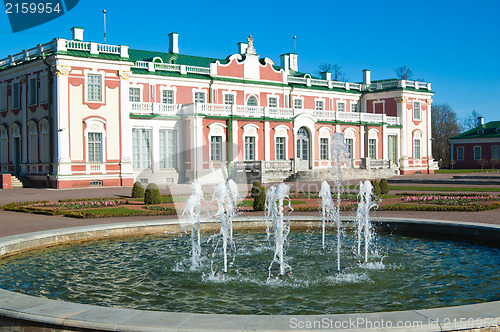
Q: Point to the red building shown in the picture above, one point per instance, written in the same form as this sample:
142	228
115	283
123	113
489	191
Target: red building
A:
478	147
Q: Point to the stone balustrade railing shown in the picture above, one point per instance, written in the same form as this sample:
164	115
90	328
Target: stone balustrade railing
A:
207	109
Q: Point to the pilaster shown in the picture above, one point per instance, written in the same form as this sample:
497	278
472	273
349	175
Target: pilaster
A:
267	141
61	123
126	166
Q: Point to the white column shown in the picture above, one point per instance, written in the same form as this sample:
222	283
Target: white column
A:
268	145
362	141
198	145
127	170
24	128
429	131
402	114
155	149
385	153
61	124
236	155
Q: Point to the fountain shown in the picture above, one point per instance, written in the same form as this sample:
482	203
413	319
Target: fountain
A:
193	209
364	226
275	217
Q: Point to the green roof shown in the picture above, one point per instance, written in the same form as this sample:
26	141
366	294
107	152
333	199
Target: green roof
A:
172	58
489	130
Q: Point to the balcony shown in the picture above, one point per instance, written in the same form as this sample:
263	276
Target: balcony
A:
206	109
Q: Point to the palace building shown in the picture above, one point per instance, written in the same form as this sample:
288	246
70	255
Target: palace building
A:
80	114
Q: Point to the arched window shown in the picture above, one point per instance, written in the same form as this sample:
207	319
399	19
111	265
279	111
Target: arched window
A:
252	101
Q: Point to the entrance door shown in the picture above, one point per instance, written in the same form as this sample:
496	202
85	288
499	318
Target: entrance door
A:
16	156
392	149
303	149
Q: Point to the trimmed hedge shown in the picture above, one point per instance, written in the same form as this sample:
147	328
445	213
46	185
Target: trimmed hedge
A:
376	188
384	186
138	190
152	195
258	193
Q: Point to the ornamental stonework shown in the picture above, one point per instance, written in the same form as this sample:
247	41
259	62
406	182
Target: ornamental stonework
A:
125	74
401	100
62	70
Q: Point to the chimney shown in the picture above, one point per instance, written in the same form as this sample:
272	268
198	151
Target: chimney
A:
289	61
326	75
285	62
242	47
173	39
77	33
480	121
366	77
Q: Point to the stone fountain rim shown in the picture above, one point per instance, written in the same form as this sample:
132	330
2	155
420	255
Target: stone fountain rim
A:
26	309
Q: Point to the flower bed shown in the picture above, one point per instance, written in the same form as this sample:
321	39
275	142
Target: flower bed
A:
448	199
81	204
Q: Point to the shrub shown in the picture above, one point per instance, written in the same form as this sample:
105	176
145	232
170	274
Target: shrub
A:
152	194
258	193
384	186
376	188
138	190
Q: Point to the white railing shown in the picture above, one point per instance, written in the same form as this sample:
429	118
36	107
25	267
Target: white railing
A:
392	120
372	118
319	82
298	80
141	64
77	45
27	54
278	165
167	66
213	109
112	49
337	84
390	84
354	86
348	116
95	168
410	84
154	108
198	70
422	85
325	115
280	113
250	111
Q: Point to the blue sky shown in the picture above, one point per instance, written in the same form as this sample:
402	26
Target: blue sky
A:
455	45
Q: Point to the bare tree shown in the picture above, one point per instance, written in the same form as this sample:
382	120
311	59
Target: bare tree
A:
483	163
444	125
404	73
494	162
470	122
336	70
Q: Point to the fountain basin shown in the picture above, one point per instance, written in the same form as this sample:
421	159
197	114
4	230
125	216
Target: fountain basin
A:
23	310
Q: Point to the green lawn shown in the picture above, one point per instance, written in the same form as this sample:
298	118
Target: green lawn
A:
450	189
458	171
114	212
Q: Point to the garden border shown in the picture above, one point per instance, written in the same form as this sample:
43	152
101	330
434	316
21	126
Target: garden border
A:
23	312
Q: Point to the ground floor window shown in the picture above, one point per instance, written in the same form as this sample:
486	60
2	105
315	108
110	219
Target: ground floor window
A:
416	149
95	147
477	153
216	148
460	153
372	149
495	152
392	148
323	148
350	147
249	148
168	149
141	148
280	148
4	155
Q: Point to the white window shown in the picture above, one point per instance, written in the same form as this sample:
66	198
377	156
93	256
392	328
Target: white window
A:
350	147
168	97
280	148
44	89
134	95
229	99
372	148
32	91
168	149
354	107
416	149
33	145
94	87
477	153
297	103
495	152
341	107
249	148
252	101
141	148
199	97
323	148
273	102
416	110
95	147
216	148
320	105
460	153
3	98
15	95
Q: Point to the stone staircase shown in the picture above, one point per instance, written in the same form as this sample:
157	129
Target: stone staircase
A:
348	174
20	182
